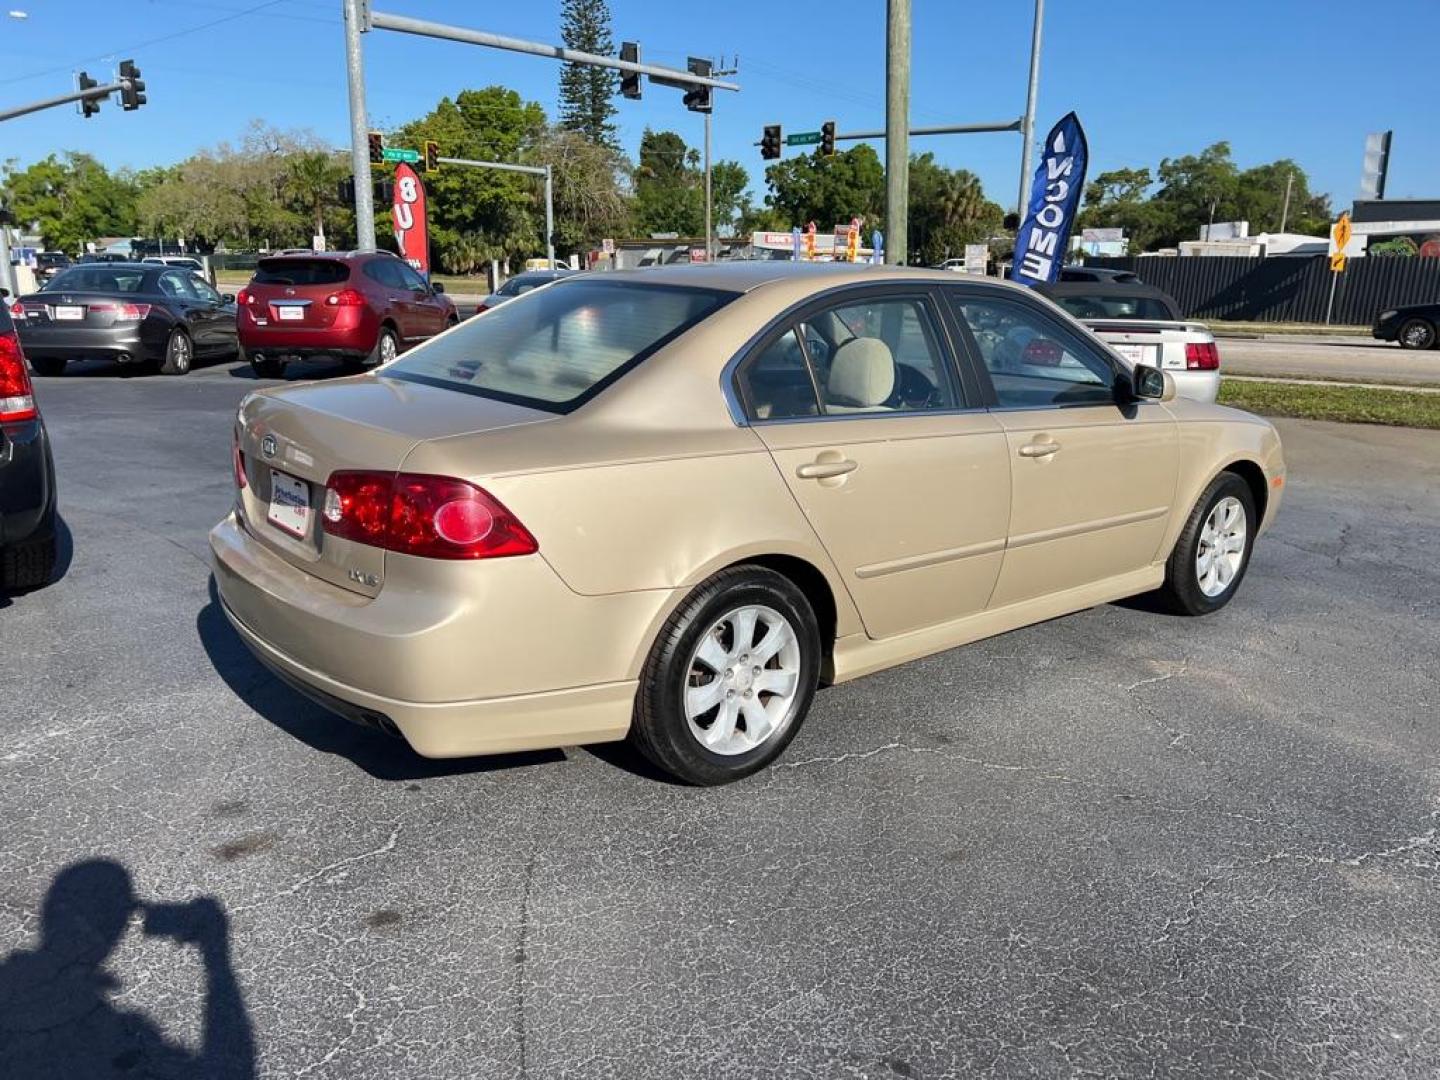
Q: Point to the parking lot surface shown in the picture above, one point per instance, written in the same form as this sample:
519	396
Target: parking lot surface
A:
1115	844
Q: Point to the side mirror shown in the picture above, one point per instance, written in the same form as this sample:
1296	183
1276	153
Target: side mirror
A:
1152	384
437	287
228	297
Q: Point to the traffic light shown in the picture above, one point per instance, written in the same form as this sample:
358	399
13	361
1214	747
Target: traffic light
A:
132	92
630	80
377	148
432	155
88	106
827	139
770	142
697	98
385	191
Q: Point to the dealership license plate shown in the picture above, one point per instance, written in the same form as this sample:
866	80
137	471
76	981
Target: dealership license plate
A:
289	503
69	314
290	313
1137	354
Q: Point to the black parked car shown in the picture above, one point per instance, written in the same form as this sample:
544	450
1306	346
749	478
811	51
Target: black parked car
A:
1415	327
1098	274
136	313
27	474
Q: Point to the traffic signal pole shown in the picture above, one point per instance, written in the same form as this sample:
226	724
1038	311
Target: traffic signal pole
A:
359	126
94	93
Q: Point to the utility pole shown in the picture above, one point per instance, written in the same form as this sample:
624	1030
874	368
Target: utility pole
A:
1027	127
550	216
897	130
359	128
1285	213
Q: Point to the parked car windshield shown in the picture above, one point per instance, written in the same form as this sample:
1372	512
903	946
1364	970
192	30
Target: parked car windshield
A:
1115	307
300	272
96	277
555	348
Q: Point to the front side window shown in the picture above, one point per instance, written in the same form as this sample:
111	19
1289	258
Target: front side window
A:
556	348
1032	361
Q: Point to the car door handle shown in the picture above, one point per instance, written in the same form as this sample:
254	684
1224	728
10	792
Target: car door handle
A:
823	470
1039	449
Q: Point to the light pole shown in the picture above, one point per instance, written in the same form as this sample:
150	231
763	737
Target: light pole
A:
1027	128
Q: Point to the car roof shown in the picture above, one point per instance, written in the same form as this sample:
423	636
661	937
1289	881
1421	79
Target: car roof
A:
1117	289
328	255
746	275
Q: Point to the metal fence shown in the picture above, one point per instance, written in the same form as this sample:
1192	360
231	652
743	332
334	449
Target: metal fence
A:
1286	288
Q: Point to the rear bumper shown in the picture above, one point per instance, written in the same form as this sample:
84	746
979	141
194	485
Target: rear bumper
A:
27	483
459	658
131	343
277	339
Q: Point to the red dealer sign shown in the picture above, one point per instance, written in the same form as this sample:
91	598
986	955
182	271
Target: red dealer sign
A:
411	234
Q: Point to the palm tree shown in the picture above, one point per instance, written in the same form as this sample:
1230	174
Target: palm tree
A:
313	182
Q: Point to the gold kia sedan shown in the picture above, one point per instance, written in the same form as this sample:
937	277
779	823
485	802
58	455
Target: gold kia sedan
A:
669	504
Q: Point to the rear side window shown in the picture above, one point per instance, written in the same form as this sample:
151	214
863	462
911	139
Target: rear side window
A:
300	272
97	277
1101	306
556	348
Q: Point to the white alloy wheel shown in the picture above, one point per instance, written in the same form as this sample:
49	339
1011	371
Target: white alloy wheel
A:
743	680
1221	551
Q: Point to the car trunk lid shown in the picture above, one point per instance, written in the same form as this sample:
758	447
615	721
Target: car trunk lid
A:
1157	342
293	439
39	312
299	292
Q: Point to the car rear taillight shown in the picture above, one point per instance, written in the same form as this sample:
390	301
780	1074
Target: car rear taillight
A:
17	310
1202	356
1041	352
17	396
417	514
122	312
243	297
237	458
346	298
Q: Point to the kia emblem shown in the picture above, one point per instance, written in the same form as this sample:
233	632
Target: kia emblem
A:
268	446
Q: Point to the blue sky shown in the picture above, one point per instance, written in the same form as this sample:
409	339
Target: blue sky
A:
1149	78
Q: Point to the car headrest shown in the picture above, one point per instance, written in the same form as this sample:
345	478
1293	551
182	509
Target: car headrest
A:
862	373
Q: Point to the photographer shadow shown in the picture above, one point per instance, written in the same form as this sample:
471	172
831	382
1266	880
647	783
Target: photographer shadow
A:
57	1013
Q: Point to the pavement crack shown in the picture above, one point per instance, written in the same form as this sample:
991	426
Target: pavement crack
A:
521	945
338	869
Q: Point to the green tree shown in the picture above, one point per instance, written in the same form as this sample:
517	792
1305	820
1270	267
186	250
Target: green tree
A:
70	199
591	201
476	215
828	190
669	187
587	93
1118	200
1260	200
313	183
948	210
1195	190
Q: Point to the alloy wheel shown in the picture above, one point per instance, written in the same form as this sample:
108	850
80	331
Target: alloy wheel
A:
743	680
1221	551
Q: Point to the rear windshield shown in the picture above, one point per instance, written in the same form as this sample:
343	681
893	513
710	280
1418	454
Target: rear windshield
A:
523	283
556	348
300	272
97	277
1115	307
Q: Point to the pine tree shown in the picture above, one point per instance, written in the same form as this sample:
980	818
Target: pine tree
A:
586	92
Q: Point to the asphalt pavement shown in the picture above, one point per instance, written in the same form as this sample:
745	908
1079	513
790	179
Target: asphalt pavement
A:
1115	844
1354	359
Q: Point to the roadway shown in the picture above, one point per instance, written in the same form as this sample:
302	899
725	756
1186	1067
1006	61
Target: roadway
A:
1348	358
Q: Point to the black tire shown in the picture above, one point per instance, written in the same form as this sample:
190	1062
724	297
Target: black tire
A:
179	353
266	367
1182	592
27	565
660	729
1417	334
49	366
378	354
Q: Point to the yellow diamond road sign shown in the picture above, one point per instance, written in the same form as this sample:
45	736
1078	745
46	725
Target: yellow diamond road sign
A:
1340	232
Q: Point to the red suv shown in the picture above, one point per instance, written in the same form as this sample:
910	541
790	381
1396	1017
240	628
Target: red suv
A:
364	307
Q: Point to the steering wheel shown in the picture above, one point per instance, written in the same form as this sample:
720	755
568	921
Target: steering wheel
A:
912	390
